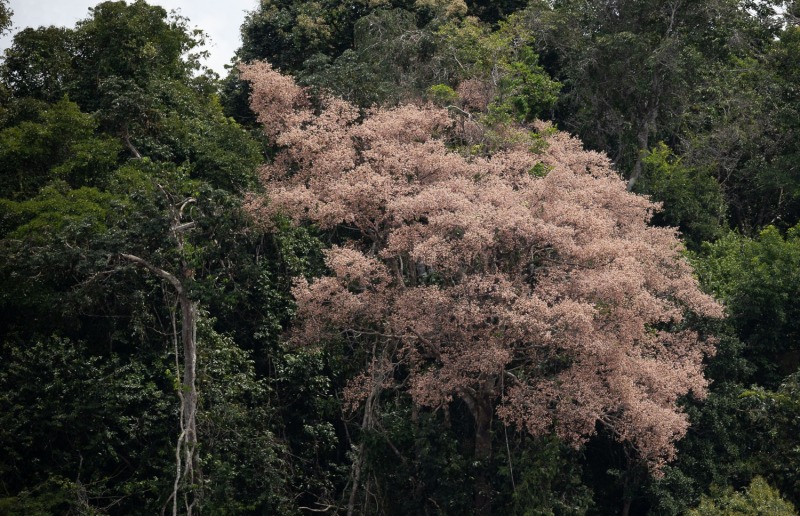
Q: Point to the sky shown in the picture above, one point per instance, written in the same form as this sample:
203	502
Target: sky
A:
220	19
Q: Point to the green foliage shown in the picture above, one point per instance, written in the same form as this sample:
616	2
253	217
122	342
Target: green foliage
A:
57	210
88	433
57	142
692	200
777	417
391	60
213	148
55	258
73	235
5	16
493	11
390	53
70	203
287	32
739	433
306	384
416	458
39	63
131	66
741	121
133	41
420	463
718	449
80	431
54	495
632	71
742	127
243	463
758	499
758	279
96	204
442	94
548	480
108	58
505	59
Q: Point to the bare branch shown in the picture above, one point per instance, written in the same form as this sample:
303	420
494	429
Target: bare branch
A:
186	226
161	273
127	139
186	202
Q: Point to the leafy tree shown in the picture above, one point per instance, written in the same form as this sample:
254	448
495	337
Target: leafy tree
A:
125	64
547	301
81	432
241	460
743	128
61	267
89	433
39	63
289	32
51	245
391	60
775	415
57	142
758	499
78	215
492	11
497	70
375	53
5	16
550	480
692	199
630	68
757	279
118	43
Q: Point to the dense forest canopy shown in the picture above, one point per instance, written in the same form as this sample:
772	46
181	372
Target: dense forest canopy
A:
430	257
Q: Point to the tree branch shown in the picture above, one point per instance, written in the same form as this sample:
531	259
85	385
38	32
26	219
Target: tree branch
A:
456	108
161	273
186	226
126	138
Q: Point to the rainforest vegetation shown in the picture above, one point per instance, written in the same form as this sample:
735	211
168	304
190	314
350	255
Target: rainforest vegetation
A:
535	257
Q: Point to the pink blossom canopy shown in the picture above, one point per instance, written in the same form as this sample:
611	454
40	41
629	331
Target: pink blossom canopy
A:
530	277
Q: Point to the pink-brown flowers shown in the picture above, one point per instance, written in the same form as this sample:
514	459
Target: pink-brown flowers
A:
528	281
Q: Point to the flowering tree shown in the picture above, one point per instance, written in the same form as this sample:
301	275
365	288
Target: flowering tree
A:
527	284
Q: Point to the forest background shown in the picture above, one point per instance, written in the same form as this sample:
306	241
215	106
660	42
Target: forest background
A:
166	341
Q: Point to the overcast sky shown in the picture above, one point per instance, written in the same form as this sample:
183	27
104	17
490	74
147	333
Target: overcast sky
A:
220	19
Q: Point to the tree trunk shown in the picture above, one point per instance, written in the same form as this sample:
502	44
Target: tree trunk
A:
189	341
481	409
187	439
188	396
643	140
367	424
483	455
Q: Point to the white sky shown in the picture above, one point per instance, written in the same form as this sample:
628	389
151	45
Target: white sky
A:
220	19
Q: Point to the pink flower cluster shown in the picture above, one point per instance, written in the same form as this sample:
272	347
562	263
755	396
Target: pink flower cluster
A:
529	280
